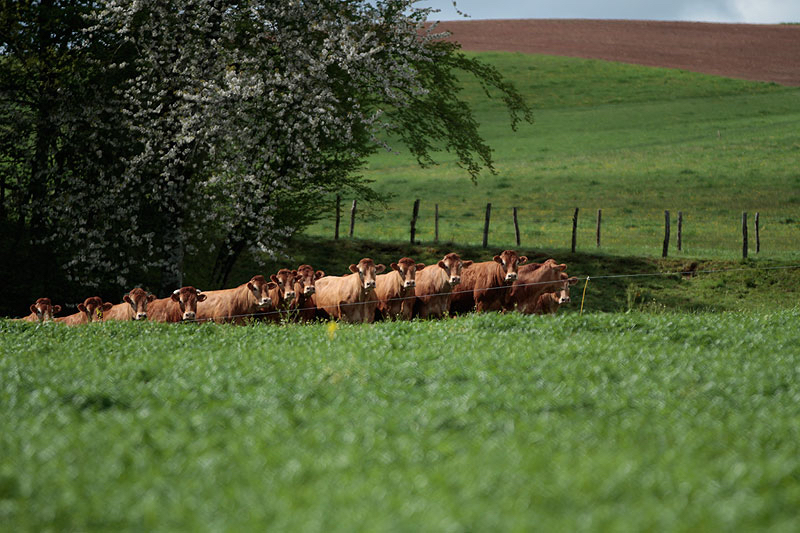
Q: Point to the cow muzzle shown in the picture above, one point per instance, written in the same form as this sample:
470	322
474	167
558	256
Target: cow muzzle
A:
265	302
289	296
563	300
369	284
455	280
309	290
141	316
409	284
188	316
511	276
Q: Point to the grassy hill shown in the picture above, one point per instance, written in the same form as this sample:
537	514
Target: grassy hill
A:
631	140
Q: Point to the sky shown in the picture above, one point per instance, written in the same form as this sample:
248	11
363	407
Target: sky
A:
748	11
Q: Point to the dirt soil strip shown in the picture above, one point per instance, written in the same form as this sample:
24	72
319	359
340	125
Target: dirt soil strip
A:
762	52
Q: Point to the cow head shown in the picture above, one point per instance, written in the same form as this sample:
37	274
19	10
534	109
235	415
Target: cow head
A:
94	308
407	269
285	279
452	264
563	293
306	280
367	270
187	298
44	310
510	261
259	287
138	300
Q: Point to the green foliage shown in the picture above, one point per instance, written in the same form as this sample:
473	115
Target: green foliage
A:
491	422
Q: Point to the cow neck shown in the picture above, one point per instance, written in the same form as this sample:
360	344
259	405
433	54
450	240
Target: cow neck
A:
243	298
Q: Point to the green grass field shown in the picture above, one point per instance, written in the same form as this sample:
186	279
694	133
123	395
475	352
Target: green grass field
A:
630	140
622	422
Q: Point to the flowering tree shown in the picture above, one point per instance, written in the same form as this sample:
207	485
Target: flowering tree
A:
233	121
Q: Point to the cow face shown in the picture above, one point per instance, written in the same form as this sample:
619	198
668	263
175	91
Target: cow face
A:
563	293
138	300
452	264
510	262
306	279
187	298
367	270
94	308
285	279
44	310
259	287
407	269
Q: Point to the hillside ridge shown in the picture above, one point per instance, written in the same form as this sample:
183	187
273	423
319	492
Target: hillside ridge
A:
758	52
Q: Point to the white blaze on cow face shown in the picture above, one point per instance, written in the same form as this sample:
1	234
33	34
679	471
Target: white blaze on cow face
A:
452	264
510	262
367	270
187	298
138	300
260	287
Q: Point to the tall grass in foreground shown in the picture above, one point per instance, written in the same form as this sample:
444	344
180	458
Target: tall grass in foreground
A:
491	422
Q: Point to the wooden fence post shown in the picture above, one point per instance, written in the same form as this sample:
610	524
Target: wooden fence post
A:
666	234
744	235
516	226
680	230
574	229
758	234
414	214
599	221
486	225
336	231
436	223
352	218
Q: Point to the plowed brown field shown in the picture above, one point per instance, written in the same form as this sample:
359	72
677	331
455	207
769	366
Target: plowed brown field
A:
764	52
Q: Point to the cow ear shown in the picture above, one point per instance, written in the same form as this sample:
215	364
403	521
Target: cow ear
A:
151	297
272	285
420	266
522	260
353	269
466	264
107	306
176	296
319	274
393	265
441	264
201	297
127	299
573	280
274	278
380	268
34	310
81	308
56	309
294	273
562	267
251	287
497	259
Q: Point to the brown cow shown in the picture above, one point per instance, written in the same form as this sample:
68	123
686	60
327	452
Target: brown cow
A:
42	311
180	306
485	286
535	280
352	297
395	290
435	285
282	295
238	304
549	302
304	306
91	310
133	306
